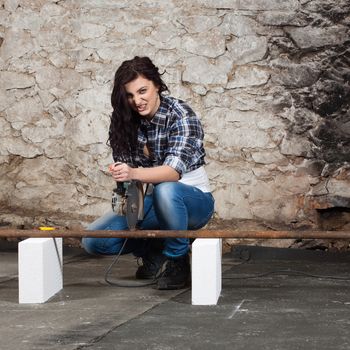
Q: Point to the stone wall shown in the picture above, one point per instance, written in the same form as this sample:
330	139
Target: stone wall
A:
269	79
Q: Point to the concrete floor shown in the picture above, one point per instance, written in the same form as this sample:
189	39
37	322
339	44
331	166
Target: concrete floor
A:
284	309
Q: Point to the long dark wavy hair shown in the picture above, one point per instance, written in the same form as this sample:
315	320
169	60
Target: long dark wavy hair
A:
124	120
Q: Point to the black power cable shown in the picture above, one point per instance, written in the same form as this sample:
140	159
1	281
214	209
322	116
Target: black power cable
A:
127	283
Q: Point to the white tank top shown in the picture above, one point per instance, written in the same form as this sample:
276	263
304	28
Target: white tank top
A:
197	178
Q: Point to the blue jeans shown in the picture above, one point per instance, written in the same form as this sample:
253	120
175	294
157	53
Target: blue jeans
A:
171	206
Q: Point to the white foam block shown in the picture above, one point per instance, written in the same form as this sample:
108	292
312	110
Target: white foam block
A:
206	271
40	274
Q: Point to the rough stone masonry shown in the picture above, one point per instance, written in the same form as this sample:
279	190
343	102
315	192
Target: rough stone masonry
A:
269	79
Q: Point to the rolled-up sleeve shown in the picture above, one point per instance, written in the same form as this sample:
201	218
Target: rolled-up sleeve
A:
185	144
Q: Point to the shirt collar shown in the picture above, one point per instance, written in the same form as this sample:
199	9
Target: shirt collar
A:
160	117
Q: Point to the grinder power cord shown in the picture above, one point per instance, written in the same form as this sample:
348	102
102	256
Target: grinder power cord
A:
128	201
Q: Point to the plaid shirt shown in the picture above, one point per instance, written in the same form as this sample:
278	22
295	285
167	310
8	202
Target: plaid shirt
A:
174	137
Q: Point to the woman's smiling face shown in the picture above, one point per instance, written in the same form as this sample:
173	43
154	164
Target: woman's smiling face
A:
143	96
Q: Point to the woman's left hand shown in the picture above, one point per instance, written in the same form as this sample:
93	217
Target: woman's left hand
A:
121	172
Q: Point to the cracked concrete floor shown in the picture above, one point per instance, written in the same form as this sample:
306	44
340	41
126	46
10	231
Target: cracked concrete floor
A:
285	306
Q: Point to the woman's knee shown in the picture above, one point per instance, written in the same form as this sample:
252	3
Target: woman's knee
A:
165	190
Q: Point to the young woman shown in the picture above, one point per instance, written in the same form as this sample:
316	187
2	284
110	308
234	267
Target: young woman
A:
162	138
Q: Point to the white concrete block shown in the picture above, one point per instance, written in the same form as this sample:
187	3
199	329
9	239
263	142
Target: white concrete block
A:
40	273
206	271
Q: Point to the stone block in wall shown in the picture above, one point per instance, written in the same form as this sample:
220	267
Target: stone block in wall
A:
61	60
238	25
43	171
95	99
312	167
86	30
296	146
88	128
199	89
27	19
222	154
302	120
46	98
228	174
5	129
47	77
67	106
248	76
72	81
236	99
314	37
283	18
244	137
43	130
60	82
104	4
25	111
98	72
268	157
199	23
247	49
95	185
231	201
16	146
240	129
165	36
273	125
209	44
262	191
280	210
200	70
10	5
96	209
319	189
7	99
57	197
16	44
54	148
289	184
61	39
294	75
78	158
48	10
262	5
255	119
14	80
337	187
166	58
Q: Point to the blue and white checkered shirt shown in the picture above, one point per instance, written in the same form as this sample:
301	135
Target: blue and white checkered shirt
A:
174	137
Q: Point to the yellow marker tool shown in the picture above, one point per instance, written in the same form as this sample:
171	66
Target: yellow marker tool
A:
46	228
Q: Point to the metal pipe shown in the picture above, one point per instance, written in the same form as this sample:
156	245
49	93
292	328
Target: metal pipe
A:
223	233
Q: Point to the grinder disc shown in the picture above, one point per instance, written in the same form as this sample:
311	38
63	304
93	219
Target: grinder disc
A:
134	208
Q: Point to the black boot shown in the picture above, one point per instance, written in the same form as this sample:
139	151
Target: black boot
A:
151	265
177	273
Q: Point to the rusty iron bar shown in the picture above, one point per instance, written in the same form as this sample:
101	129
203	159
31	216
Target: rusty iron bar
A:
204	233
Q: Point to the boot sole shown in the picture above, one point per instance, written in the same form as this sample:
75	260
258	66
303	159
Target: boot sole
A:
145	277
165	286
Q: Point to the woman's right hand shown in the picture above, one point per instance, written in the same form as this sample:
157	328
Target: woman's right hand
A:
121	172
